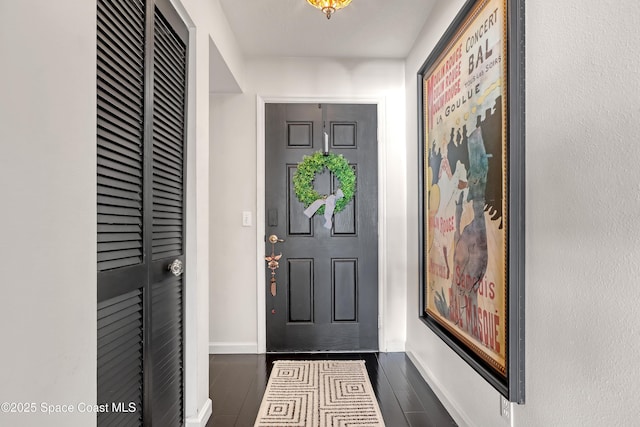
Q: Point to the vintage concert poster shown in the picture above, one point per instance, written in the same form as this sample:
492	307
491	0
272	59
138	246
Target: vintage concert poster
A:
465	178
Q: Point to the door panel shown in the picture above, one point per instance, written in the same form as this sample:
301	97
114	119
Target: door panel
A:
327	292
120	135
344	290
344	223
300	290
120	338
121	268
297	225
167	223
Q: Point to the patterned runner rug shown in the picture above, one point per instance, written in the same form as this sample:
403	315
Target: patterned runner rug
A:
321	393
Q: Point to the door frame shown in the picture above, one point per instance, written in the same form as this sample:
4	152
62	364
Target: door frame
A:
260	205
196	284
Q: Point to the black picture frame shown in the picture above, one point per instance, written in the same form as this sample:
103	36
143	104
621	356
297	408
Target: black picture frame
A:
437	90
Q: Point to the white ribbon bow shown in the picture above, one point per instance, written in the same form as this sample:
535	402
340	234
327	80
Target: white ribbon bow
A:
330	205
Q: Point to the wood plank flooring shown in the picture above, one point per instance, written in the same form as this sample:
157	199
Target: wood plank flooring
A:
237	383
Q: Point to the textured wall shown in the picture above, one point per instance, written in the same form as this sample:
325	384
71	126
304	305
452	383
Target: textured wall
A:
48	209
583	198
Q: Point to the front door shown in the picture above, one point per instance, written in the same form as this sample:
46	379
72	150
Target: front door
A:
326	286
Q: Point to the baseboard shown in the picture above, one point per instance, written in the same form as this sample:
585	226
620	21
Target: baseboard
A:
457	413
201	419
233	348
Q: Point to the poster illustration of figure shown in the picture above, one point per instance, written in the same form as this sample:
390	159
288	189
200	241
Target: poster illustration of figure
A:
465	194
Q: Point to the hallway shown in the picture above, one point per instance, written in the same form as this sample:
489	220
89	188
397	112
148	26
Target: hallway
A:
582	252
237	383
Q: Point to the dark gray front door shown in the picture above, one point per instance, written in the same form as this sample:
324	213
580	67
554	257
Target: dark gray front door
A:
327	283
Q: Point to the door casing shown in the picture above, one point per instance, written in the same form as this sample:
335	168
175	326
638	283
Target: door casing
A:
260	211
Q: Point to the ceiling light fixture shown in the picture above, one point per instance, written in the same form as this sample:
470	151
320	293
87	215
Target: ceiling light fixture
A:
329	6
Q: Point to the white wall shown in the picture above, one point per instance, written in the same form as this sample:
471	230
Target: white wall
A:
48	215
210	33
583	250
233	247
233	262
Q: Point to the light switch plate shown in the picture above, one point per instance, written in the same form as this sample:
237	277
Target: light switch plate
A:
246	218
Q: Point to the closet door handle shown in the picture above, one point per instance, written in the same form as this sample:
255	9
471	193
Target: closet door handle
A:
176	267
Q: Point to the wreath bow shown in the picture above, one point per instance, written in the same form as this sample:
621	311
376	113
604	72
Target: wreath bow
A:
330	204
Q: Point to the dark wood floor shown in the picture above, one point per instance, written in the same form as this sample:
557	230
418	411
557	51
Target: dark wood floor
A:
237	383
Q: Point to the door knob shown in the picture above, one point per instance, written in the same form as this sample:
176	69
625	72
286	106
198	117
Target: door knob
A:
273	239
176	267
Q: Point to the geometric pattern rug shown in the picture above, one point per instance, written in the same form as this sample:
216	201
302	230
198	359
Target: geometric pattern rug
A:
319	393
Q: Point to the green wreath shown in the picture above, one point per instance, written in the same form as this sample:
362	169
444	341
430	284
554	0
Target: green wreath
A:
306	173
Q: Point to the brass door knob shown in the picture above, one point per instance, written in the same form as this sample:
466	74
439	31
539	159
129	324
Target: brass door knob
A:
273	239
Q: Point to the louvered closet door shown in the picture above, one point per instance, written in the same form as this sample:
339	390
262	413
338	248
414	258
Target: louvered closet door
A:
167	230
141	81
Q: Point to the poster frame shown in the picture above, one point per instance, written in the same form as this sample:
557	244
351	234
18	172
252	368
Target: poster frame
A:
511	383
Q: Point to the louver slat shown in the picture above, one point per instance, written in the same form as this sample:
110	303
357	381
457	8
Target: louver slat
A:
128	14
117	104
168	140
120	357
168	164
111	152
175	191
115	201
164	174
169	183
172	68
167	132
120	60
111	118
110	142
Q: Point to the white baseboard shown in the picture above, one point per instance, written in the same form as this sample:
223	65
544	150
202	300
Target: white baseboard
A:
252	347
233	348
201	419
457	413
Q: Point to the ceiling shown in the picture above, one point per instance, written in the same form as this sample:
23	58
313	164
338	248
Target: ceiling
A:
364	29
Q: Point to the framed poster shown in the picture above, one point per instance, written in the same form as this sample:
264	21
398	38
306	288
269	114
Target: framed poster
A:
471	96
